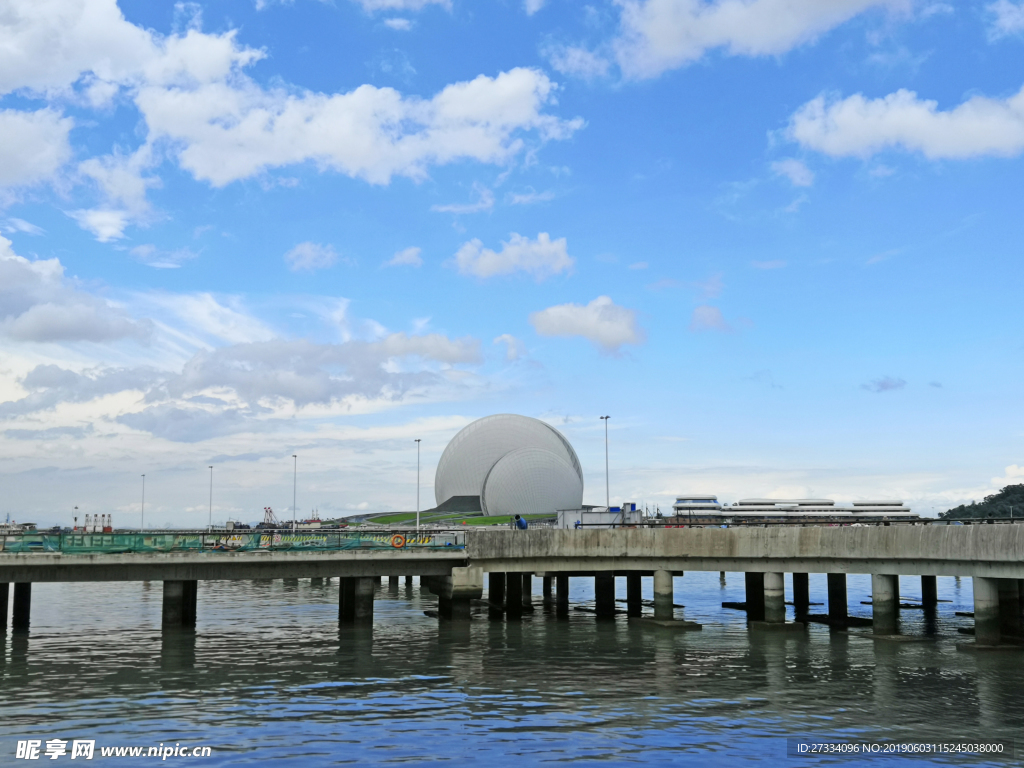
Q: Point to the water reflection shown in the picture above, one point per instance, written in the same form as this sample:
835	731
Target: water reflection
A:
269	674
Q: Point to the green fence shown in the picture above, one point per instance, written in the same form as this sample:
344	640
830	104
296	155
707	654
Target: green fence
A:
229	541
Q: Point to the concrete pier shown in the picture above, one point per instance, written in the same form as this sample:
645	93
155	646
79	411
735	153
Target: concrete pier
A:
546	591
355	599
986	611
1009	608
455	593
838	606
22	605
634	595
604	595
774	598
528	592
801	594
4	592
496	595
755	595
929	592
513	595
393	583
408	581
562	596
884	603
179	605
664	596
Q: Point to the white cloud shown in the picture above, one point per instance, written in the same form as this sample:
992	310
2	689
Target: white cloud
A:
20	225
38	304
658	35
401	25
799	175
532	6
120	177
541	258
857	126
711	288
227	131
531	197
308	257
407	257
154	257
485	202
224	320
708	318
33	145
514	348
104	223
1009	18
603	322
577	61
370	6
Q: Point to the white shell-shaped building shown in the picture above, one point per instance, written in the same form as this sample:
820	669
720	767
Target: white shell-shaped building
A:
514	464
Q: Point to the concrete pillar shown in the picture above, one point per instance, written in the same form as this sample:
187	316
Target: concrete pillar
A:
929	592
801	594
173	614
513	595
1009	608
604	594
189	602
634	595
363	599
755	596
393	583
4	592
346	600
528	592
22	604
546	591
986	611
664	595
408	581
774	598
496	595
884	602
456	592
837	601
562	595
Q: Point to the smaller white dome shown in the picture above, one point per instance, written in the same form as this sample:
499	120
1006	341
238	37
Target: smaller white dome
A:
531	481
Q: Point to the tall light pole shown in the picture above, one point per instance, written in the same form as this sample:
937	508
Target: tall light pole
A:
295	487
211	497
607	495
417	485
75	519
142	521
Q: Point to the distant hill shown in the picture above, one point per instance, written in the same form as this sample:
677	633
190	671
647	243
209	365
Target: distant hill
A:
996	505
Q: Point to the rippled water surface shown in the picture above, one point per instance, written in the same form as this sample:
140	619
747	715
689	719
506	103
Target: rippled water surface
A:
268	676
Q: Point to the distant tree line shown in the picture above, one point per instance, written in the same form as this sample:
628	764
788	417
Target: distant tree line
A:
1008	502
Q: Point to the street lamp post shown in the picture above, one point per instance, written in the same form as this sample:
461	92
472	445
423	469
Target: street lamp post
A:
142	520
75	518
607	495
417	485
211	497
295	486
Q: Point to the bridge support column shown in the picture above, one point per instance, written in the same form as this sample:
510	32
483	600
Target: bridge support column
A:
393	583
664	596
884	603
755	596
355	599
604	595
562	596
1009	608
179	606
838	610
513	595
546	591
4	592
496	595
929	592
408	581
801	595
774	598
455	592
22	605
986	611
634	595
528	592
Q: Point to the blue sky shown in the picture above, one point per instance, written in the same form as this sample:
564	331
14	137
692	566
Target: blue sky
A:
778	241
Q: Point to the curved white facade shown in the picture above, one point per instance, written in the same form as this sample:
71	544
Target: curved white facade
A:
551	468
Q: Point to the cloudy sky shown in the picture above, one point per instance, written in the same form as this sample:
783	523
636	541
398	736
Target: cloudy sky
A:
778	241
